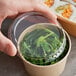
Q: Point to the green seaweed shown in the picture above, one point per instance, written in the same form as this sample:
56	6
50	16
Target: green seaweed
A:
38	45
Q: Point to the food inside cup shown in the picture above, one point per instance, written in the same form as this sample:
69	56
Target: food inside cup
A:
42	45
74	0
65	10
49	3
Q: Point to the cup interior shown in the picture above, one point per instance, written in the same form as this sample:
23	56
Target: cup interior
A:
58	30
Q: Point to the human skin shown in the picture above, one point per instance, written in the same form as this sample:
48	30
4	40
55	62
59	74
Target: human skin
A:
11	8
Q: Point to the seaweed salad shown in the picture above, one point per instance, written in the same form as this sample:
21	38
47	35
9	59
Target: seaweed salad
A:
39	46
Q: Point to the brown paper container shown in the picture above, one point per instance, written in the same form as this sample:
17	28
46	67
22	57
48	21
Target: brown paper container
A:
69	26
48	70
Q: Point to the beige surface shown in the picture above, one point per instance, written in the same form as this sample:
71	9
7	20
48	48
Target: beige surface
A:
13	66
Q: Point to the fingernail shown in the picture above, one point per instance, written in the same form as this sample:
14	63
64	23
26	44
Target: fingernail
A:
10	50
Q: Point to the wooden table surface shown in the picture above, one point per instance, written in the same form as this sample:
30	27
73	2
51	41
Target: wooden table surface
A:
13	66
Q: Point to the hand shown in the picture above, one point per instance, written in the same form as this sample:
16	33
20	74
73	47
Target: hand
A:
11	8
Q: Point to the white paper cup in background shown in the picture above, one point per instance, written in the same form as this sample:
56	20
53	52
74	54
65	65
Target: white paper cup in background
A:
69	26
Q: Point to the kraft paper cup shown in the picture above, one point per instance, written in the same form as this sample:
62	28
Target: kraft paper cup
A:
69	26
48	70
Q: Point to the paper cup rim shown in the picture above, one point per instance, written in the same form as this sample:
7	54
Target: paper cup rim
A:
64	19
42	66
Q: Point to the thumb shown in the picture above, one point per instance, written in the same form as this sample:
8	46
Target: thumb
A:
7	46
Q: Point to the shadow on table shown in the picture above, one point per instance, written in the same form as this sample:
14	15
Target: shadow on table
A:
11	66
